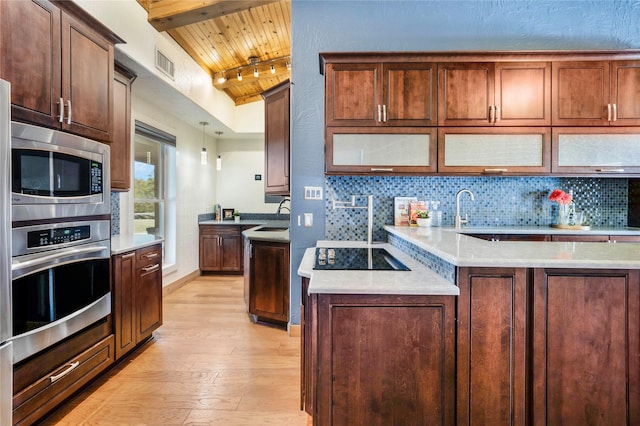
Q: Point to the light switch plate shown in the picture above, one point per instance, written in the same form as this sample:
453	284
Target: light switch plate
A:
308	220
313	193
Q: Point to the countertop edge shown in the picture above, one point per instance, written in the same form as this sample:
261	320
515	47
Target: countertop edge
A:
126	243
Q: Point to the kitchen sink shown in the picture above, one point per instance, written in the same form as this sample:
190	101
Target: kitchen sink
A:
268	229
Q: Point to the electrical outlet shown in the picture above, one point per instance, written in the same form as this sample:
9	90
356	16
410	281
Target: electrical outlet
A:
313	193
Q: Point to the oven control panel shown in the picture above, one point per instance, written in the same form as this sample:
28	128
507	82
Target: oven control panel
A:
53	236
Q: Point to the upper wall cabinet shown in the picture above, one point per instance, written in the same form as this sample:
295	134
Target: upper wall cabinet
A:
380	94
596	93
276	139
59	61
494	94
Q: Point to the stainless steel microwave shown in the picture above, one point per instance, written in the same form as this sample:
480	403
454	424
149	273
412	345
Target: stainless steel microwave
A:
57	175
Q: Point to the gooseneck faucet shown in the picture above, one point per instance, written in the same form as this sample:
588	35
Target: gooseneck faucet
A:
459	221
352	205
280	207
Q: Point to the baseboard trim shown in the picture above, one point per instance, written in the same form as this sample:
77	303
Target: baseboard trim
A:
179	283
295	330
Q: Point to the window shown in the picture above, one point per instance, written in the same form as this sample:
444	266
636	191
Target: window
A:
154	195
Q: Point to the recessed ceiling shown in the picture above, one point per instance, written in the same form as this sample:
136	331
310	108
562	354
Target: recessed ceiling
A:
230	36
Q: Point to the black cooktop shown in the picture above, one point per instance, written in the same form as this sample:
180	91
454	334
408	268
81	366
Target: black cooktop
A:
358	259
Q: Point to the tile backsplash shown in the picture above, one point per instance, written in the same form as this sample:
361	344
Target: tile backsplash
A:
499	201
115	213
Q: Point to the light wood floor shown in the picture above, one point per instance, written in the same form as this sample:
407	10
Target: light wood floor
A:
207	365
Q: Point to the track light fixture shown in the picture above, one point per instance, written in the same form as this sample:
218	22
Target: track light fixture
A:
267	66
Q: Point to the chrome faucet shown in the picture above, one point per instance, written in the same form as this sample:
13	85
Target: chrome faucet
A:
459	221
281	207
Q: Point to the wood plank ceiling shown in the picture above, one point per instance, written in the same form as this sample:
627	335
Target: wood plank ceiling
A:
227	37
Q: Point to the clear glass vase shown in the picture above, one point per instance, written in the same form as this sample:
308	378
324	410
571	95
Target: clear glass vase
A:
564	214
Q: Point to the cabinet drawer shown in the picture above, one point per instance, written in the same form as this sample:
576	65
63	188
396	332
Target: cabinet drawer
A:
149	256
220	230
53	388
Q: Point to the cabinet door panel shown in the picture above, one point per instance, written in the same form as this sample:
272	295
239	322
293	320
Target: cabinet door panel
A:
30	59
596	150
585	347
87	80
465	92
625	92
351	93
409	94
580	93
149	301
491	346
209	252
231	254
124	303
269	289
276	106
494	150
523	94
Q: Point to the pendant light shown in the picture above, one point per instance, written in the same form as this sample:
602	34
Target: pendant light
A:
218	160
203	153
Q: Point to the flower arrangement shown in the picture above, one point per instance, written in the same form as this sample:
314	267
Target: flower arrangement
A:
560	197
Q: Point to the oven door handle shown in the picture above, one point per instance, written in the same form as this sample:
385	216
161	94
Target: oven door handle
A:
57	255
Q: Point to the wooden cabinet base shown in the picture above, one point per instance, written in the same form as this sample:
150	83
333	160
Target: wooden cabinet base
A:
385	360
60	382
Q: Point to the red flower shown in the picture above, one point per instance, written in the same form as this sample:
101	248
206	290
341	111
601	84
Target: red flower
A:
560	196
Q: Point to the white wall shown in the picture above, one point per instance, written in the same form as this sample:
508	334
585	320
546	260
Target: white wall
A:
235	186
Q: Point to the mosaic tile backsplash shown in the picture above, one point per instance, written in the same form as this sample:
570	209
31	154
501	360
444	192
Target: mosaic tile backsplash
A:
499	201
115	213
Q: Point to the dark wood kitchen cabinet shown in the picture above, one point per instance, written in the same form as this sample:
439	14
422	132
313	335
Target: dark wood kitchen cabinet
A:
373	93
494	94
43	382
276	139
137	296
269	281
384	359
221	248
492	346
585	347
59	61
596	93
121	142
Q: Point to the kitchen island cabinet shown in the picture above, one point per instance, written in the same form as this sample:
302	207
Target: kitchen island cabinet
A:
137	296
60	64
268	281
585	354
548	332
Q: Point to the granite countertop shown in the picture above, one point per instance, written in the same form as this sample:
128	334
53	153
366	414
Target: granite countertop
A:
124	243
420	280
462	250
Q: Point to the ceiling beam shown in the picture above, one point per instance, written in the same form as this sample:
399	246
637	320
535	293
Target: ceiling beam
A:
168	14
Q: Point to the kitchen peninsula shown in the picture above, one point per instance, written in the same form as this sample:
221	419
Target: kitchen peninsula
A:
541	333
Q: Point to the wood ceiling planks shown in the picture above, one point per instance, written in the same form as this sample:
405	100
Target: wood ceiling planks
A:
221	36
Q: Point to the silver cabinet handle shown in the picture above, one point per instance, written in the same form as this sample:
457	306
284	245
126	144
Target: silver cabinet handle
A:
71	367
382	169
615	112
608	112
151	255
496	118
151	267
379	113
495	170
491	114
384	113
610	170
61	111
69	111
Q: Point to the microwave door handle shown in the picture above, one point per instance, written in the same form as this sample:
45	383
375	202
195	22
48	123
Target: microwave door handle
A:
57	255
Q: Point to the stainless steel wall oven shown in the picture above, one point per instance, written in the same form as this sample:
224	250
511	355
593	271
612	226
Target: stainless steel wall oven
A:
60	282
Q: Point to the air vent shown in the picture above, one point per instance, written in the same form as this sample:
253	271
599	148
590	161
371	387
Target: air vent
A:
164	64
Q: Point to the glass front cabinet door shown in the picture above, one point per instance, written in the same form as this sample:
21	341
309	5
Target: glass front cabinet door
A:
372	150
